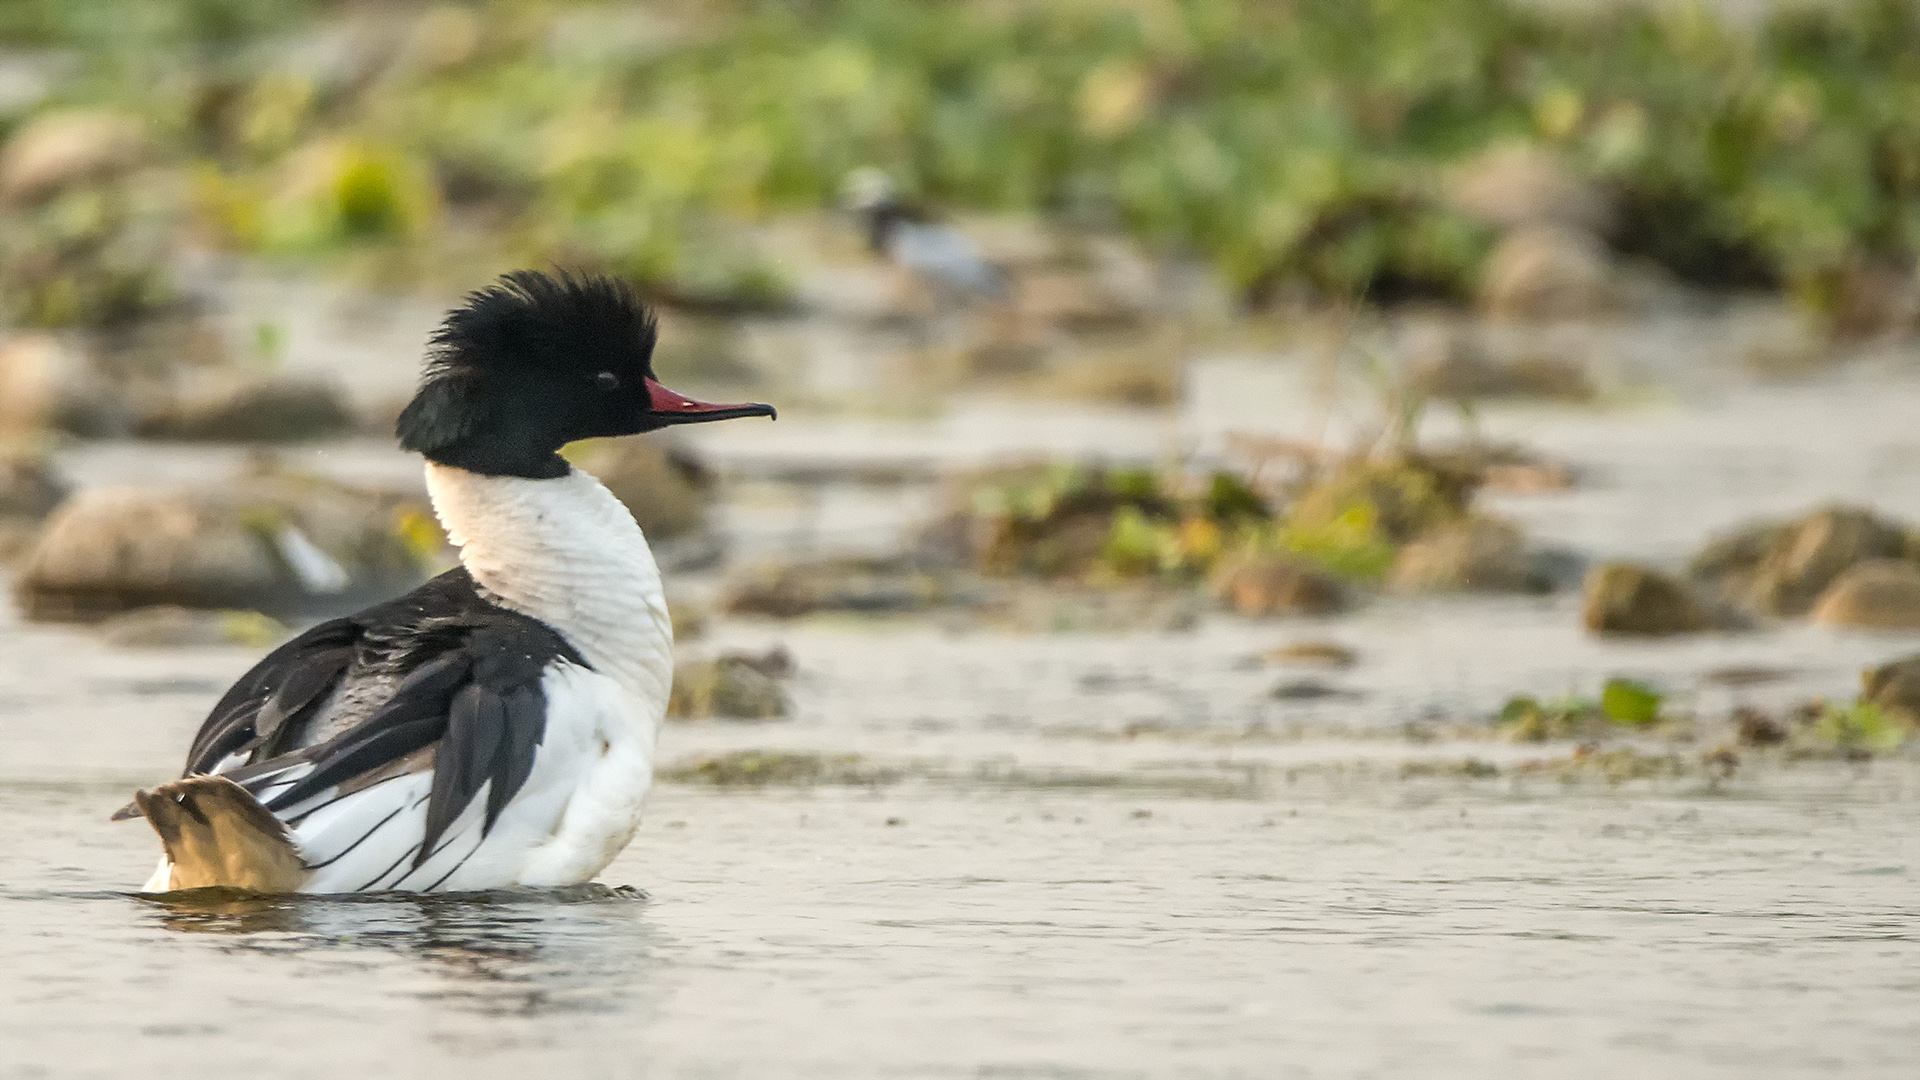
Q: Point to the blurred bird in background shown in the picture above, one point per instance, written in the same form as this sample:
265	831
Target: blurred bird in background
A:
905	234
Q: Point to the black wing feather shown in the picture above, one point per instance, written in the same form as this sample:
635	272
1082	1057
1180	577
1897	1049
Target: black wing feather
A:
526	724
288	685
470	682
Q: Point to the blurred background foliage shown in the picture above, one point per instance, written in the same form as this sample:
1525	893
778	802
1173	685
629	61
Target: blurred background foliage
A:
1297	147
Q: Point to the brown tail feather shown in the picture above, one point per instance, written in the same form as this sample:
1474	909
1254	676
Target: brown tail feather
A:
217	834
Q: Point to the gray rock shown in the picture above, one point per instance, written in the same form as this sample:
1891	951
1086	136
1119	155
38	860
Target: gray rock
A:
1274	584
252	410
735	686
278	543
61	149
1547	272
29	490
1520	184
1782	568
1894	688
1879	594
1623	598
1477	553
48	383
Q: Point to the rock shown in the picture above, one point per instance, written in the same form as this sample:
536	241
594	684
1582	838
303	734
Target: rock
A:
171	627
1519	184
1809	554
1781	569
28	488
1547	272
1475	553
48	384
1879	594
1267	583
1314	653
1622	598
1309	690
279	543
1741	675
1464	372
265	410
60	149
28	493
1755	728
736	686
863	585
1894	688
663	485
1864	299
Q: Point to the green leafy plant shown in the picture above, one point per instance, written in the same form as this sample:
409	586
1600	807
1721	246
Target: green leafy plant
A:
1861	728
1528	719
1629	703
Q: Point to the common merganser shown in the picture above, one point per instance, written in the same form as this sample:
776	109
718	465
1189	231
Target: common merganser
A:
496	726
906	234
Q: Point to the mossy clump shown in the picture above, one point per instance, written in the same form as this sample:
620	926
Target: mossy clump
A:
1104	525
777	768
733	686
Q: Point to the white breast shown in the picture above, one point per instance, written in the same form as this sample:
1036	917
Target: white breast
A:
566	552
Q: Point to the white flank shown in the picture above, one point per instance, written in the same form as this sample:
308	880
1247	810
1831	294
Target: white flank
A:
577	809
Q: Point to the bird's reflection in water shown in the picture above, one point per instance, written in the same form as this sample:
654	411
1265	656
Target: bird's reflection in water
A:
520	952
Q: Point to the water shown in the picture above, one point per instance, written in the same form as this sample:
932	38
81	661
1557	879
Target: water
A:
1430	930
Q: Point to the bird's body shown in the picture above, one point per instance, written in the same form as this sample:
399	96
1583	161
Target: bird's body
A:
493	728
907	236
945	257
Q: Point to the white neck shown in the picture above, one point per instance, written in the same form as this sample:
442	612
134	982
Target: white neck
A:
566	552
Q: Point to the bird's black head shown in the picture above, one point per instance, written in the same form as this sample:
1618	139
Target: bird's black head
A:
536	361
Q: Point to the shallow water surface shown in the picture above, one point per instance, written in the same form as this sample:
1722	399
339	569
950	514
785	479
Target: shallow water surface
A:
1363	929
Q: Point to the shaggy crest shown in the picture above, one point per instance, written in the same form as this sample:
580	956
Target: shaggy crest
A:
557	322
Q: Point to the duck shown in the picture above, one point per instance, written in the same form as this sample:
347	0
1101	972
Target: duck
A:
906	235
495	727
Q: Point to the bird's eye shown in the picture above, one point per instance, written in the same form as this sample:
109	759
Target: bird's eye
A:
607	380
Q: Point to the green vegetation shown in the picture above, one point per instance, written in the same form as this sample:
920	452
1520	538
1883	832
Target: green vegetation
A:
1296	147
1629	703
1103	525
1528	719
1623	703
1859	730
